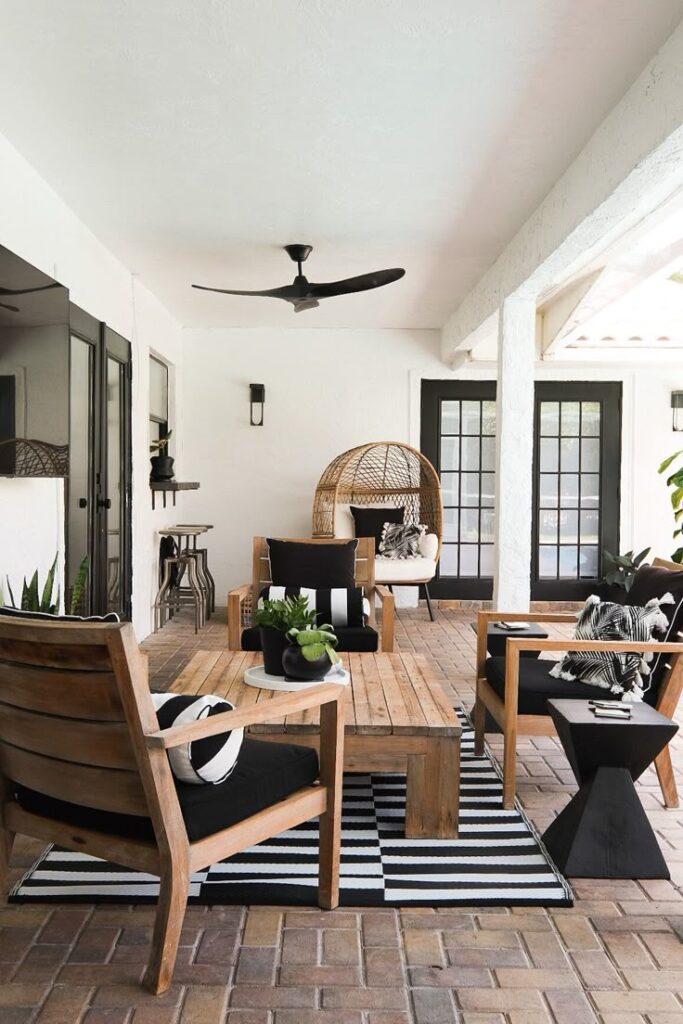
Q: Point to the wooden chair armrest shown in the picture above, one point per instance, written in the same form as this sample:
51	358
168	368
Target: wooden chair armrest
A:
485	617
265	711
620	646
236	599
388	617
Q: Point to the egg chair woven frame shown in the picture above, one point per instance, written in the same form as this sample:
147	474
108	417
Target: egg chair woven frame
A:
380	473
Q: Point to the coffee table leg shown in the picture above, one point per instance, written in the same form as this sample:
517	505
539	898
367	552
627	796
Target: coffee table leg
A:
433	790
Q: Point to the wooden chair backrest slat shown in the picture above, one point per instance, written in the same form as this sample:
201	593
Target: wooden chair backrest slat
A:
104	744
365	559
65	692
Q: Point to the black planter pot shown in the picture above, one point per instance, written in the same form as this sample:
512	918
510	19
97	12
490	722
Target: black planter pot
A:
273	644
162	467
299	670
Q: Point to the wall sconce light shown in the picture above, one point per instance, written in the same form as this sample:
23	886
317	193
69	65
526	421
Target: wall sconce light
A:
257	394
677	406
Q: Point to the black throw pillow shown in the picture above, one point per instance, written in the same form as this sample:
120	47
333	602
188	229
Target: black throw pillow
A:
20	613
656	581
369	521
295	563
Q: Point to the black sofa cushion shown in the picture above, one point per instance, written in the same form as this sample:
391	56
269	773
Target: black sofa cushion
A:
656	581
351	638
369	520
20	613
537	686
296	563
265	774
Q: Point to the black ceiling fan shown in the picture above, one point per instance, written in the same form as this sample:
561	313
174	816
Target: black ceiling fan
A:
304	294
24	291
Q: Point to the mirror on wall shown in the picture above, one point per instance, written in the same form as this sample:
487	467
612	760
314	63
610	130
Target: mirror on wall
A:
34	371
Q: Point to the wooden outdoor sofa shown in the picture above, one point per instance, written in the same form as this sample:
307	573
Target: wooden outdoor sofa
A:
507	706
83	764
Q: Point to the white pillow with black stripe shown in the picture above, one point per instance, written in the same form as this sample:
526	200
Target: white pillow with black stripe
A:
625	675
342	607
209	760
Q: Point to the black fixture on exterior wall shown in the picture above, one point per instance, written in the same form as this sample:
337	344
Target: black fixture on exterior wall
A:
677	406
257	393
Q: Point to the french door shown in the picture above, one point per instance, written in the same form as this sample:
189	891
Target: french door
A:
577	454
99	484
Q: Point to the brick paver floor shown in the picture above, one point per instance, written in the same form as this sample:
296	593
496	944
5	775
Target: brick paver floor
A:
615	958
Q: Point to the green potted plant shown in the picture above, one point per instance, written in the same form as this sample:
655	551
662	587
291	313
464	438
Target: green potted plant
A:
311	653
162	463
620	573
275	619
675	482
31	598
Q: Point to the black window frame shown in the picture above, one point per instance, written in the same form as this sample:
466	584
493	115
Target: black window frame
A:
160	424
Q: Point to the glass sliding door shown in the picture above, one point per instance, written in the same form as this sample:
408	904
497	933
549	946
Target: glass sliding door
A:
81	467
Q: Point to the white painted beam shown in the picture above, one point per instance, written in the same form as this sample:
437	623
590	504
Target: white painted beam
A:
563	312
514	453
631	164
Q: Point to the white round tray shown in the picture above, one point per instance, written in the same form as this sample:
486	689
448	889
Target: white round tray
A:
257	676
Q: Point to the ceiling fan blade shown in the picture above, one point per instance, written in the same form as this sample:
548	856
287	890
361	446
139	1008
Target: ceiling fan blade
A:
287	292
28	291
14	309
362	283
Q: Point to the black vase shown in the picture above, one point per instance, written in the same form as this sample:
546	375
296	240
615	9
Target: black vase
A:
273	644
162	467
299	670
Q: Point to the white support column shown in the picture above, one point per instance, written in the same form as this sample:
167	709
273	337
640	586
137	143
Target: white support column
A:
514	453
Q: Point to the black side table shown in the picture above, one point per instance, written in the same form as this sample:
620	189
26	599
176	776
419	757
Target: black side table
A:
603	832
496	638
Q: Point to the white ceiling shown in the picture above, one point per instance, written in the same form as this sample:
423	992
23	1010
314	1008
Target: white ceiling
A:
196	138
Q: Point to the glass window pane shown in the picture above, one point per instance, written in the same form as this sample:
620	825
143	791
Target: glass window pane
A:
569	454
590	419
469	560
486	559
550	419
469	525
547	561
488	490
158	389
448	563
569	490
469	489
471	417
547	526
570	418
450	417
590	524
486	525
548	490
590	455
488	453
451	518
569	525
488	418
470	453
549	455
568	561
450	453
590	490
449	488
589	562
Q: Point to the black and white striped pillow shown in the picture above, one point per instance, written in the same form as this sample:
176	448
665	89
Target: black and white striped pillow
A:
340	606
208	760
622	674
401	540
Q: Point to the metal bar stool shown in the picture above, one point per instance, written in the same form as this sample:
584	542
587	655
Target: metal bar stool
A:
190	585
204	556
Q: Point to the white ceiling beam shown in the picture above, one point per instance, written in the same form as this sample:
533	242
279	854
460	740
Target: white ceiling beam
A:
563	312
631	164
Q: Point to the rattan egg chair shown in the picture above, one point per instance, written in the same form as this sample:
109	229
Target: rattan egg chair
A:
384	473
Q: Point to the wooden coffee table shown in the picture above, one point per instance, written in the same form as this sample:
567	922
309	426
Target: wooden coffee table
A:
398	719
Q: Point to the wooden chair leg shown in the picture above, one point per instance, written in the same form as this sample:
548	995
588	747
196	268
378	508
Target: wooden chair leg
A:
6	838
331	776
509	767
667	780
479	726
168	924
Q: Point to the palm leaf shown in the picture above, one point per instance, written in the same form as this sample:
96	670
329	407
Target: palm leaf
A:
667	462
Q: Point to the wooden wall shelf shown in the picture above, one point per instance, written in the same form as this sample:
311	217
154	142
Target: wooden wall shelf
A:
169	487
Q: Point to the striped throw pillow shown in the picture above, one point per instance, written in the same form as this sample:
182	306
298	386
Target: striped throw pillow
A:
208	760
625	675
341	606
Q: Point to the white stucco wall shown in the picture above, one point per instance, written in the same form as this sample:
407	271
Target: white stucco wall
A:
38	226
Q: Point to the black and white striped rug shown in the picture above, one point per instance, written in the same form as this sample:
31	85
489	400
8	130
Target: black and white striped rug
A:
497	859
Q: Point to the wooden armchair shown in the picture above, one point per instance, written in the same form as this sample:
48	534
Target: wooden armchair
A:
80	747
505	711
242	599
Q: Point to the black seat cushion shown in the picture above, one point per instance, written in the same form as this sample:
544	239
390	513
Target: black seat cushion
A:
295	563
265	774
537	686
351	638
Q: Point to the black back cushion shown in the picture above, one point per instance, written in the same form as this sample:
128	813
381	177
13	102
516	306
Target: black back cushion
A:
19	613
656	581
369	521
295	563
